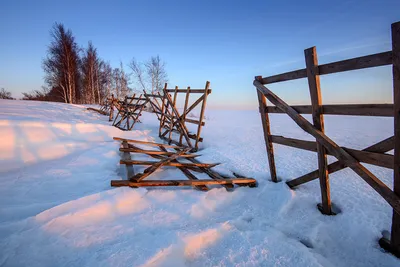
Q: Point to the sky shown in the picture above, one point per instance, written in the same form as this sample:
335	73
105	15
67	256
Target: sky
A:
224	42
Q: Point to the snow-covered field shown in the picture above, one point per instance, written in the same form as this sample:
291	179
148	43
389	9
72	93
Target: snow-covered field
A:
57	207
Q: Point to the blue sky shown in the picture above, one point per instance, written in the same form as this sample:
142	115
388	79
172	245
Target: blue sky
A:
225	42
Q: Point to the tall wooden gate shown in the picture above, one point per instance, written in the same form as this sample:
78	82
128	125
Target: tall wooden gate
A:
374	154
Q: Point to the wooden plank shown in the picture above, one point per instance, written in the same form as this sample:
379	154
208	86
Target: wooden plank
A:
98	111
178	120
195	169
145	142
163	112
192	91
262	102
296	143
127	156
147	183
201	117
375	60
291	75
334	149
191	136
174	164
395	233
318	120
172	120
378	159
187	173
369	61
170	141
211	173
194	121
184	112
381	147
152	95
140	176
155	152
383	110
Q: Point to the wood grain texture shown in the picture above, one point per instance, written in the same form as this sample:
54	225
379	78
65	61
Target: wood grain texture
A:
395	233
318	120
144	162
334	149
383	110
149	183
262	103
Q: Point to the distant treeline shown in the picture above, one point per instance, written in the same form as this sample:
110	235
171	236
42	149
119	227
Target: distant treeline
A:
79	76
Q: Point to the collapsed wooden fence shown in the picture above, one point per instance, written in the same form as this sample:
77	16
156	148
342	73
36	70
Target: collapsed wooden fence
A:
374	154
178	158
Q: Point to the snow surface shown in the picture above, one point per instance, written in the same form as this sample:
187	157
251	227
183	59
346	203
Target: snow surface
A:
57	207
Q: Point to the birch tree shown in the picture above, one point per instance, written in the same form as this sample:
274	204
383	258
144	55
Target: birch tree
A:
149	76
61	65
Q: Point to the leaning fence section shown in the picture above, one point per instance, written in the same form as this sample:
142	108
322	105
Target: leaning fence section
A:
174	120
347	157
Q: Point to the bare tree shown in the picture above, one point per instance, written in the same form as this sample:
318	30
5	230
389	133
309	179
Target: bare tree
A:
120	82
157	74
106	78
149	76
5	94
61	64
90	66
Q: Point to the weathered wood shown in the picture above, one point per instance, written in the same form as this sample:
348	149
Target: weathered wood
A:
172	119
147	183
187	173
178	120
163	107
174	164
97	110
155	152
194	121
395	232
296	143
381	147
384	110
184	113
211	173
195	169
140	176
291	75
145	142
318	120
375	60
152	95
201	116
378	159
334	149
127	156
262	102
192	91
191	136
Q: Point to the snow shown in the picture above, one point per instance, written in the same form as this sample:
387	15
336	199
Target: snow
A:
57	207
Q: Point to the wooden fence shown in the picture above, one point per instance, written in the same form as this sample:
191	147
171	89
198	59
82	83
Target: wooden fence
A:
374	154
172	121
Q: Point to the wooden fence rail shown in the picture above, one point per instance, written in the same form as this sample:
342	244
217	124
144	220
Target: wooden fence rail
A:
347	157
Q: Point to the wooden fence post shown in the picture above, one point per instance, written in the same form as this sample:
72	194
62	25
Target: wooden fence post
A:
110	118
267	132
163	112
318	120
201	116
393	245
184	112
